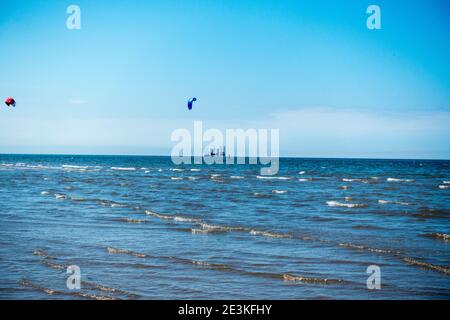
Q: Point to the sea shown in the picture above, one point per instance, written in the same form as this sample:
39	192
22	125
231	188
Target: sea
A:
141	227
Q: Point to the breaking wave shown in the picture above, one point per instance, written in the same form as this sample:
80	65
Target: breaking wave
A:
347	205
272	178
393	202
399	180
123	168
440	236
279	191
426	265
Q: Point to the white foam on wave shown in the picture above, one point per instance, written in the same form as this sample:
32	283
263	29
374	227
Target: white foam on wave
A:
215	175
302	172
279	191
236	177
176	169
69	166
118	205
269	234
399	180
8	164
305	179
40	166
44	193
147	171
184	219
446	182
195	170
272	178
355	180
444	187
172	217
347	205
176	178
123	168
393	202
60	196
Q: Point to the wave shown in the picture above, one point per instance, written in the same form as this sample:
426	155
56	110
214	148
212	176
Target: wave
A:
206	228
440	236
364	227
347	205
29	284
68	166
44	193
91	285
444	187
291	278
233	269
269	234
302	172
60	196
399	180
446	182
262	195
272	178
46	261
195	170
123	168
279	191
176	178
393	202
210	228
128	220
171	217
305	179
365	248
41	253
236	177
206	231
100	287
425	212
176	169
124	251
355	180
426	265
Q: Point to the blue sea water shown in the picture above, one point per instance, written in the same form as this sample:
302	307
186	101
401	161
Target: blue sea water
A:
144	228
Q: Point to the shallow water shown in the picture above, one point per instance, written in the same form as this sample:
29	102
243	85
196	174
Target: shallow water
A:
143	228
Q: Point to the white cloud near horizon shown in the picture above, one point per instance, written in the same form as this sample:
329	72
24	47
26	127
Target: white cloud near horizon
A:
308	132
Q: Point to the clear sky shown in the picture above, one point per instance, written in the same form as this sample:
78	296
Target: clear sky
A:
310	68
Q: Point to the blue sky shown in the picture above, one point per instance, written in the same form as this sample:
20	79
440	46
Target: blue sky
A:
310	68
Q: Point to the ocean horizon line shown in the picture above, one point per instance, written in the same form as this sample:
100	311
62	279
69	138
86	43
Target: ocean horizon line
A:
196	156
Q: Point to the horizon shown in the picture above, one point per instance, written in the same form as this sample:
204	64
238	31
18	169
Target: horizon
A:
168	156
